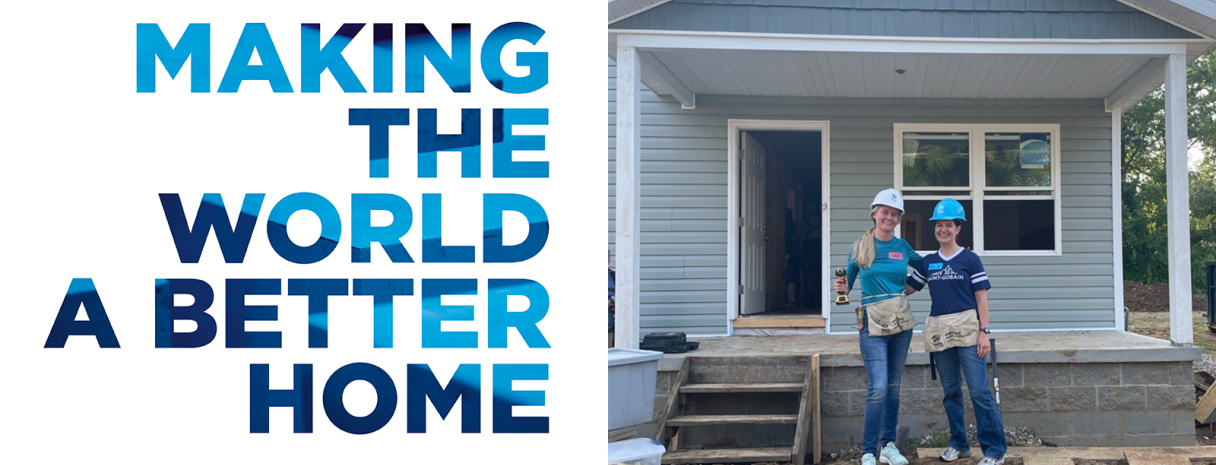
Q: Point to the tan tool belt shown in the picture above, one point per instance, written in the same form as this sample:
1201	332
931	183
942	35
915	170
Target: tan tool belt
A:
954	330
890	316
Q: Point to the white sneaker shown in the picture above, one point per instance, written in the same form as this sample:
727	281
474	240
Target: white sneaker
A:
867	459
992	461
951	454
890	455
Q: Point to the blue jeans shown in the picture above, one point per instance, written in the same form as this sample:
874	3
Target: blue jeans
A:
884	357
990	429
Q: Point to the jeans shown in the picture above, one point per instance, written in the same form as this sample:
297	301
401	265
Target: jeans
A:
884	358
990	429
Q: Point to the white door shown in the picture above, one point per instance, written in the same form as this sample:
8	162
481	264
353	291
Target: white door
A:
752	257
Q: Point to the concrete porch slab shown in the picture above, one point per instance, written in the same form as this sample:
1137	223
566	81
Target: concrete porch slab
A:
1015	347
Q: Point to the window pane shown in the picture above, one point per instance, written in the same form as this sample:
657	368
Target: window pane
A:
939	194
992	193
1019	225
918	230
935	159
1017	159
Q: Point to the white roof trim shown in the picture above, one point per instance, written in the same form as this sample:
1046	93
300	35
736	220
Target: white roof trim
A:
1203	7
698	40
634	7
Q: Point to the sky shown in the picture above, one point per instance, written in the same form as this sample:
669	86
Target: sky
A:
1194	156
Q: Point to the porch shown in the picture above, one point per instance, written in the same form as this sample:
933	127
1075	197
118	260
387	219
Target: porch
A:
1081	388
870	91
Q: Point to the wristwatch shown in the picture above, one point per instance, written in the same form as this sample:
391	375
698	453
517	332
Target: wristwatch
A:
986	330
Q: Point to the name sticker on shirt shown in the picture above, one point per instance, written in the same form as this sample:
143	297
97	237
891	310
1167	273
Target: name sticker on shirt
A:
895	255
935	266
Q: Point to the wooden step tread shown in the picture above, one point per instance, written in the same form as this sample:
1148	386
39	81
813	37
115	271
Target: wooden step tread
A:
787	321
771	454
698	420
739	387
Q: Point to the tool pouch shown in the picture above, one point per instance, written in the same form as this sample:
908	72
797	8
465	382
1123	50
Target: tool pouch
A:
954	330
890	316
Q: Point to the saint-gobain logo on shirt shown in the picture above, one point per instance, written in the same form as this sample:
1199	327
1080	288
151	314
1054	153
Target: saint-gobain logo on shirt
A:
947	274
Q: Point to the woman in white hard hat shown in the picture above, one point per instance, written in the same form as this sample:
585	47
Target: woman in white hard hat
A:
885	320
956	334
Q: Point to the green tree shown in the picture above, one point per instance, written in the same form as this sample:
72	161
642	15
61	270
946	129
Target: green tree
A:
1145	256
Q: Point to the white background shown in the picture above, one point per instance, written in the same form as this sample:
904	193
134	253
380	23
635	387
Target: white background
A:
85	157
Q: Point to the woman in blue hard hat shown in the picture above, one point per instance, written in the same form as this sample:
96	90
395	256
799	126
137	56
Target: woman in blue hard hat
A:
956	334
885	320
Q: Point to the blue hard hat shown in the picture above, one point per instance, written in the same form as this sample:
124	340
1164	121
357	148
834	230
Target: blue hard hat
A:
948	209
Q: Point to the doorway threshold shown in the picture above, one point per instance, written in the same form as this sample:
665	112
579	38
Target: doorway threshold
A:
778	325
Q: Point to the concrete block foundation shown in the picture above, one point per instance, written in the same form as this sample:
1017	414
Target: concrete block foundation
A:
1114	414
1122	390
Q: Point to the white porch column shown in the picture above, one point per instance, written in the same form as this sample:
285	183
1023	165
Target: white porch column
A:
1177	200
1116	152
628	195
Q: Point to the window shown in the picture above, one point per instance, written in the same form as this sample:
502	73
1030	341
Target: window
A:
1005	175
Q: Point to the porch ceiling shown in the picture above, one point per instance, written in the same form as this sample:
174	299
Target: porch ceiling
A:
685	64
833	74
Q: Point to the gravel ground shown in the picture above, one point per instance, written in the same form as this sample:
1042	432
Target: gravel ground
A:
1207	363
1014	437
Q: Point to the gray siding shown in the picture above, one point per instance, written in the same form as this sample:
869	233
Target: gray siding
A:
683	286
1072	19
684	188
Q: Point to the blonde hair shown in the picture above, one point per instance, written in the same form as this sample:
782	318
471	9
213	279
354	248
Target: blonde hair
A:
863	249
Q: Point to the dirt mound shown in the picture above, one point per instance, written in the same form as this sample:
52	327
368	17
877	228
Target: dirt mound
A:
1154	298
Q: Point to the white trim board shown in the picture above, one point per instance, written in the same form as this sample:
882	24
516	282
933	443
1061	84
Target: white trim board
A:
734	127
1116	142
1202	7
702	40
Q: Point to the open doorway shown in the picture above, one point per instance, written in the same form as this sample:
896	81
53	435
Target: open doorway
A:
781	233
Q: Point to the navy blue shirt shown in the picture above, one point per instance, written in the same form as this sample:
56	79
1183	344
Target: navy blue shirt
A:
952	280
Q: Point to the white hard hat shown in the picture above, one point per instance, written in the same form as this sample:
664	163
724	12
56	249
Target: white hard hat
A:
890	198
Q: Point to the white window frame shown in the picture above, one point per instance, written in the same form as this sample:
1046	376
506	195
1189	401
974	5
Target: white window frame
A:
975	191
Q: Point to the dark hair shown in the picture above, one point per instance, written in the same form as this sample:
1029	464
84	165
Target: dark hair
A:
957	222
